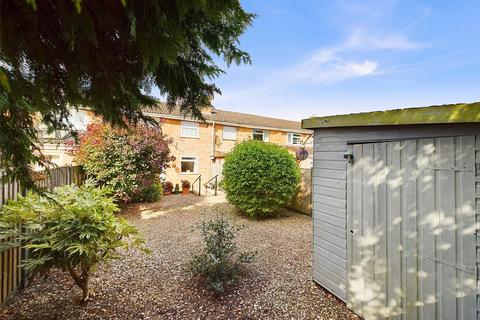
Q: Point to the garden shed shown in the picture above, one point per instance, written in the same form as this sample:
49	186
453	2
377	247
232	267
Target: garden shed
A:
396	202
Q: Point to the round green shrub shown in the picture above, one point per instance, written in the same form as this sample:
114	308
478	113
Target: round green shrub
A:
260	177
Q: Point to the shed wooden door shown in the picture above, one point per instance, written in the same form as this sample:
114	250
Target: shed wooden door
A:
411	229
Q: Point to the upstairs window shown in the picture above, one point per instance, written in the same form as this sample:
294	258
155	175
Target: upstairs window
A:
78	119
294	138
189	165
189	129
261	135
229	133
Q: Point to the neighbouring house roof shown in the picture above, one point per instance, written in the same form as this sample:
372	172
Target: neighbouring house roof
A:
451	113
233	118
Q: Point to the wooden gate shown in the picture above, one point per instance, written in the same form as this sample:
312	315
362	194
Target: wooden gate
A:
411	229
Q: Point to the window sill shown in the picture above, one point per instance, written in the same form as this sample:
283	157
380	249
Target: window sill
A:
188	173
189	137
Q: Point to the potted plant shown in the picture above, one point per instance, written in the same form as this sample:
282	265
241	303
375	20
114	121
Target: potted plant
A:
185	187
167	188
177	189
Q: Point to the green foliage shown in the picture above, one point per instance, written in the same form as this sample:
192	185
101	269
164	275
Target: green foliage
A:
107	55
177	189
259	177
72	229
220	261
168	186
148	193
127	161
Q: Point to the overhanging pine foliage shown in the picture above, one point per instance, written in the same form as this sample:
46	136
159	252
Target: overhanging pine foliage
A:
106	55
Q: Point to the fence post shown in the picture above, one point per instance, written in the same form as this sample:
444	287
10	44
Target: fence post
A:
23	254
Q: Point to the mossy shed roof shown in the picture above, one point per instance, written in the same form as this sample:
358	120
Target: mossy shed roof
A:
451	113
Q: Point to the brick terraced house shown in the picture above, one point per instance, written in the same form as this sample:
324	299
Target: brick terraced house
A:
199	146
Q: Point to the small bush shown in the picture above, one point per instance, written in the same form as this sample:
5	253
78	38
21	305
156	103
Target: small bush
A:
259	177
177	189
72	229
148	192
219	264
129	161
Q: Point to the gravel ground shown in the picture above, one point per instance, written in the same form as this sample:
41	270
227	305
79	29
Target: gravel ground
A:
277	285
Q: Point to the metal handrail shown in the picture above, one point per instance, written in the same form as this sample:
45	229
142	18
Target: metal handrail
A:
216	183
199	179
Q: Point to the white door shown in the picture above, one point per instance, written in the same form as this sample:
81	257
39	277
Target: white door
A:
218	168
411	228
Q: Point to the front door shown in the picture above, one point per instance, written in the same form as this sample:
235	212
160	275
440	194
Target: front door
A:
217	168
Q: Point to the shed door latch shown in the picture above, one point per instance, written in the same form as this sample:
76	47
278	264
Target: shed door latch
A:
348	157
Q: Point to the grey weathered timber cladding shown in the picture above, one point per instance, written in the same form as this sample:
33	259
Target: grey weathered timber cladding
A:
412	229
477	211
455	188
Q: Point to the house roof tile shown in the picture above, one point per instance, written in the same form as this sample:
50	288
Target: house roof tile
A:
234	118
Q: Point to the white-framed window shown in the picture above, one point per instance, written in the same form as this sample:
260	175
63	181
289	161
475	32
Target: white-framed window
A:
294	138
78	118
189	165
229	133
261	135
189	129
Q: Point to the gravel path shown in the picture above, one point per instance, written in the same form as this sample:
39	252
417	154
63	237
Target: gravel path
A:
277	286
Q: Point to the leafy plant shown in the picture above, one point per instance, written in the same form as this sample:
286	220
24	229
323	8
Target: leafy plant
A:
127	160
259	177
72	229
185	184
177	189
168	187
148	192
220	262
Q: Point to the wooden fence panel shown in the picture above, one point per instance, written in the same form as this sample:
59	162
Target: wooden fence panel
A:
302	200
12	275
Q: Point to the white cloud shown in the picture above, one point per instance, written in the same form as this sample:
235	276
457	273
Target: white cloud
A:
328	66
337	63
366	40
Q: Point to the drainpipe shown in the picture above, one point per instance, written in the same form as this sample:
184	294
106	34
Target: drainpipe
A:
213	141
213	112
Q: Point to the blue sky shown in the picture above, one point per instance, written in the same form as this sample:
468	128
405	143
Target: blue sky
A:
340	56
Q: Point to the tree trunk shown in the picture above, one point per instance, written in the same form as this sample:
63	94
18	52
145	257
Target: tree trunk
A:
86	283
82	281
85	288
